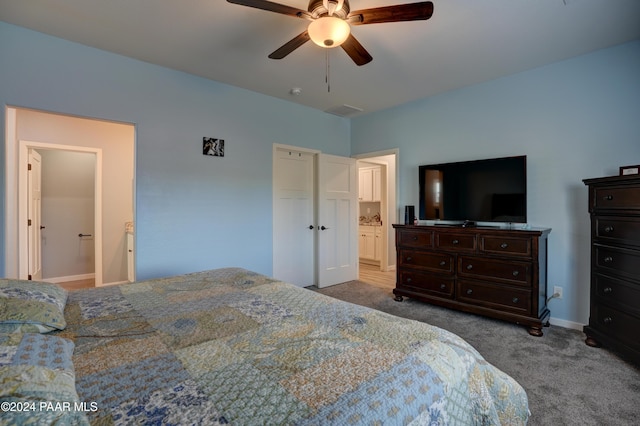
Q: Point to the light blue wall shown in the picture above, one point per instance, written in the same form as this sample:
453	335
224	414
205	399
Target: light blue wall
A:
193	212
575	119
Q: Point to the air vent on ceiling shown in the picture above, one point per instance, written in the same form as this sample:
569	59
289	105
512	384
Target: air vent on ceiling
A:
344	110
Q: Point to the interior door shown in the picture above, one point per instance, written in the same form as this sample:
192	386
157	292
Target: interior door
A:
337	220
293	217
34	208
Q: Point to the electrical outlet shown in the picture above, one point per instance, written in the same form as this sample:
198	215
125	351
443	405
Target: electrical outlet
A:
558	290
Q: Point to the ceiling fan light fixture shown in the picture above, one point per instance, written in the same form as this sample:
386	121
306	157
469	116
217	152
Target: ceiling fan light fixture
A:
329	31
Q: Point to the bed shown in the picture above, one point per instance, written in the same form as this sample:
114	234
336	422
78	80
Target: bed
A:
229	346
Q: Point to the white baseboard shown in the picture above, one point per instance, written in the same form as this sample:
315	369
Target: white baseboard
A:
57	280
566	324
114	283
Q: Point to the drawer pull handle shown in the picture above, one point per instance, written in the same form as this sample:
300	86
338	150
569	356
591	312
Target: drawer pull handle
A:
415	238
608	197
409	258
408	280
515	300
516	273
504	245
469	267
455	242
469	291
608	259
442	263
608	228
608	320
607	290
443	286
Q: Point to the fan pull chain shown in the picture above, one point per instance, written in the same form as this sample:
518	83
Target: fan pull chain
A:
327	71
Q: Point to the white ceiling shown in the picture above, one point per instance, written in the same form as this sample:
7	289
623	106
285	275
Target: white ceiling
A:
465	42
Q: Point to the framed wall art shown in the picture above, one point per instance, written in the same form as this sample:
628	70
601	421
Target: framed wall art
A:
213	147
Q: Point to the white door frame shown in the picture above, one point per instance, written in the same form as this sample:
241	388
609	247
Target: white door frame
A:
21	193
385	265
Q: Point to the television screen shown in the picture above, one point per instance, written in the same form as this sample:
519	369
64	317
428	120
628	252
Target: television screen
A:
492	190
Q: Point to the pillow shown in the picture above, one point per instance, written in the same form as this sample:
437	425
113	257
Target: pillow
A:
31	307
38	381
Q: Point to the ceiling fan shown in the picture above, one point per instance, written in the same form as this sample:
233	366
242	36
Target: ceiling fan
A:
331	20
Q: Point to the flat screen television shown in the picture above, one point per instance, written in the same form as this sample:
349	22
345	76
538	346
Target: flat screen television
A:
489	190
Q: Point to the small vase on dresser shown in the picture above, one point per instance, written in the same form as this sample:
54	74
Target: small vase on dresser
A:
614	319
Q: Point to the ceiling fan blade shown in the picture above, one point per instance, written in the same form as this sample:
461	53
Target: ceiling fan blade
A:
273	7
401	12
356	51
290	46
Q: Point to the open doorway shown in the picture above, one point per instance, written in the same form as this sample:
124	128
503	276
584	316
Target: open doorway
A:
68	242
110	146
377	178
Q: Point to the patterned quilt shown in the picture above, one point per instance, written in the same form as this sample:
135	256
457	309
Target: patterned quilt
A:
229	346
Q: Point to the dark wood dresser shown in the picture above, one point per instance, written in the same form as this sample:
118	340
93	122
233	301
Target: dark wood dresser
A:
614	319
499	273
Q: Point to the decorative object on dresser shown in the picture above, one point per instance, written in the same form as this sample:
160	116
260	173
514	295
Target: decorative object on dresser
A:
614	320
495	272
629	170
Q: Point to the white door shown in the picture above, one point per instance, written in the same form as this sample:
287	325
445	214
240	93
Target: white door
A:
34	208
293	217
337	220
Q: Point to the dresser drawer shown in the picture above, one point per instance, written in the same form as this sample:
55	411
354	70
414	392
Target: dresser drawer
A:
615	292
438	262
617	261
414	238
512	246
615	197
616	324
494	296
440	286
458	242
616	230
512	272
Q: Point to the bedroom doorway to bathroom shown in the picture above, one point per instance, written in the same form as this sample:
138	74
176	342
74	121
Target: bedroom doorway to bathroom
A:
378	210
49	133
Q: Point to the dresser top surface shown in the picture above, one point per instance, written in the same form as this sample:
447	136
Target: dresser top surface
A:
613	180
476	229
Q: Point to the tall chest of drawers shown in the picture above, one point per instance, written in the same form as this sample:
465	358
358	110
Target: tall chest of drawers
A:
500	273
614	319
